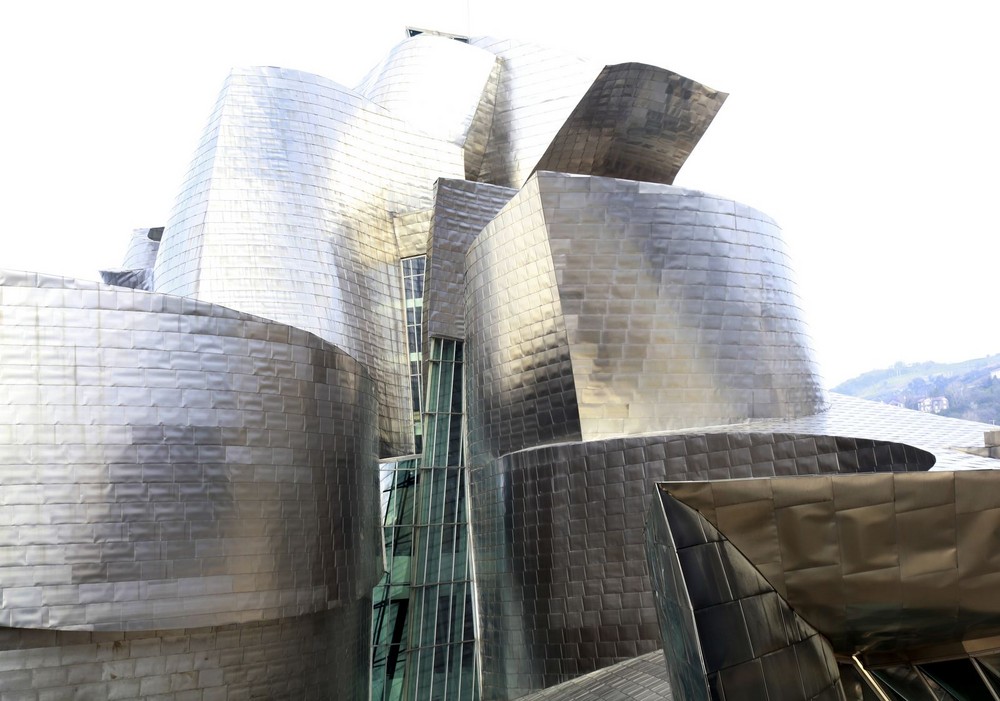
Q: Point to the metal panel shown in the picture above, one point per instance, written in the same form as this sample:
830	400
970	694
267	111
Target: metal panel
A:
538	89
600	307
440	87
315	657
724	627
314	244
168	463
560	561
641	679
461	210
637	122
875	562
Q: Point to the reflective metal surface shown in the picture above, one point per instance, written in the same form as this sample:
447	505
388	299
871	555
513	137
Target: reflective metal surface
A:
559	547
539	356
600	307
440	87
461	210
726	632
314	245
643	678
953	442
537	90
140	257
316	657
167	464
637	122
887	566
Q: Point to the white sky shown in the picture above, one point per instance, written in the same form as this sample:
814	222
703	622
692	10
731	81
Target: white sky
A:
868	130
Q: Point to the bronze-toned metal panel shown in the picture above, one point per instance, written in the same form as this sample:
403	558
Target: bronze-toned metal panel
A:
745	641
893	579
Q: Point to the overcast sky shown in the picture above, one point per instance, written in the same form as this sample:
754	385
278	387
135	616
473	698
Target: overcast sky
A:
867	130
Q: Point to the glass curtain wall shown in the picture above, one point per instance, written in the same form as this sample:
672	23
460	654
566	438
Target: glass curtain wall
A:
423	635
413	290
442	660
399	479
391	598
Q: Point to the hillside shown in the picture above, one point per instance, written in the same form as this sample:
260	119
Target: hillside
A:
971	387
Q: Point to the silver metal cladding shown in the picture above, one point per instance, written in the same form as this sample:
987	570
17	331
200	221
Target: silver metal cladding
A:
169	463
314	245
558	531
637	122
600	307
440	87
461	210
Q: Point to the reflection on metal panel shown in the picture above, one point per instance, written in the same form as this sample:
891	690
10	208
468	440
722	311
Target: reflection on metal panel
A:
637	122
168	463
314	246
440	87
849	416
727	633
601	307
558	535
461	210
538	89
641	679
201	478
886	566
315	657
136	271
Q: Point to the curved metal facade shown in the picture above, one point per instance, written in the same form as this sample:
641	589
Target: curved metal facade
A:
600	307
166	463
440	87
831	547
726	632
314	245
559	540
817	588
643	678
537	91
190	492
637	122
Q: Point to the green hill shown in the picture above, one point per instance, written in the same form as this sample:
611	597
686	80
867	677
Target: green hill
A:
972	387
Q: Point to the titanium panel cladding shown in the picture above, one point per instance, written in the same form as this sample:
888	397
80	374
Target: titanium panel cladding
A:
637	122
537	91
600	307
316	657
461	210
881	565
440	87
559	540
641	679
287	213
168	463
725	630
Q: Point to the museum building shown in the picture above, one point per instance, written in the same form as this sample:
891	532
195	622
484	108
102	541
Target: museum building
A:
437	388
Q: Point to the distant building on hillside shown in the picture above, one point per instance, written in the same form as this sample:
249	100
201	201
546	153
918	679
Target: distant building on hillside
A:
933	405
